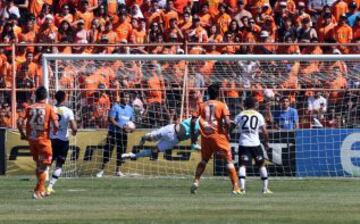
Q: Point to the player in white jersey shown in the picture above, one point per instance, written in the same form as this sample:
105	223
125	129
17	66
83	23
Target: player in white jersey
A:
249	123
60	141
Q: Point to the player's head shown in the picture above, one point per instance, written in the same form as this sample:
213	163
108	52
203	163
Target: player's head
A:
213	91
285	102
124	98
60	96
40	94
250	103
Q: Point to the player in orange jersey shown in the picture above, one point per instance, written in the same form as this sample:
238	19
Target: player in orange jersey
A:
214	126
35	128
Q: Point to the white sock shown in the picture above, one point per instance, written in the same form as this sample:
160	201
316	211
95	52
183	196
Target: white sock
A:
264	177
242	176
55	176
144	153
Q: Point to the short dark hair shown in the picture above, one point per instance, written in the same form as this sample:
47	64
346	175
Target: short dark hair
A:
213	91
250	102
60	96
41	93
285	98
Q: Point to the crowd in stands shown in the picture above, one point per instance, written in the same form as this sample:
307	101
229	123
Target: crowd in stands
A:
294	22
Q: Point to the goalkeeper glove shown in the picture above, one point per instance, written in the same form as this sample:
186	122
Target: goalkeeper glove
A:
195	147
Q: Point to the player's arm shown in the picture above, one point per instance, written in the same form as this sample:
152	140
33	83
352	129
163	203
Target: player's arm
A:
54	120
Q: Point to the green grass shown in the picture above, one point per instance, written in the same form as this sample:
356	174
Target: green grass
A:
133	200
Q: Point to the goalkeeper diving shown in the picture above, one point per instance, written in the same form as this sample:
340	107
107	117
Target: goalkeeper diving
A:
167	137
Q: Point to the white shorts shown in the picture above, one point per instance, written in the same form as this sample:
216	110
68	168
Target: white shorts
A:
166	137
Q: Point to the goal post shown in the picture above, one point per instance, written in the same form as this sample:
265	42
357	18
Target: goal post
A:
322	140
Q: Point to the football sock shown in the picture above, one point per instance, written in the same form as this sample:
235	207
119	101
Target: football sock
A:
200	170
40	186
143	153
242	177
264	177
55	176
233	175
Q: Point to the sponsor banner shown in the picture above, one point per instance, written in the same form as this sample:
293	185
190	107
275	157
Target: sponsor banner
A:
85	156
280	157
328	152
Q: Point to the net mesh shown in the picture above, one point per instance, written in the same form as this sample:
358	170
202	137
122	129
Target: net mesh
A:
324	93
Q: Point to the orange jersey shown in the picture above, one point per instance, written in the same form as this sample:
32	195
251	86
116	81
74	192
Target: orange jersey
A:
39	116
212	114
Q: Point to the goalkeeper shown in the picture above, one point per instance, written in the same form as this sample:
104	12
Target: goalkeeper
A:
167	137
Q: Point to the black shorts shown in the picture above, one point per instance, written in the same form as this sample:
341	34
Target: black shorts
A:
60	149
247	153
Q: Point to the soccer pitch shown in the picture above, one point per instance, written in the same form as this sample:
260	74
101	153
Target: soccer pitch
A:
136	200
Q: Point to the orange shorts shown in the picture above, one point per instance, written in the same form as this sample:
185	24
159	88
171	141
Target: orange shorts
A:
219	144
41	151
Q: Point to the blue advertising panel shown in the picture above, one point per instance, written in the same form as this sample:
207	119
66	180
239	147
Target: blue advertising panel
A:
328	152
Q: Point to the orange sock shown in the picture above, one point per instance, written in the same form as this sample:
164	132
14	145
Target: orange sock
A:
233	177
40	186
199	170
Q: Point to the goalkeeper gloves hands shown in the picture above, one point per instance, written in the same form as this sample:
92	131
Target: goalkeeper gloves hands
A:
195	147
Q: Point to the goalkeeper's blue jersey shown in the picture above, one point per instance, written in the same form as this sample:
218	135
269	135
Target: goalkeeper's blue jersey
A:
187	124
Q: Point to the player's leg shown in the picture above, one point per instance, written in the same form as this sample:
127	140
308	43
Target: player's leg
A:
108	148
260	162
244	160
155	135
60	150
206	153
43	162
231	170
121	144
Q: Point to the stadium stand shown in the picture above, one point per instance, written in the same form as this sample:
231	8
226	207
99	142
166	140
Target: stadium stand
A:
30	28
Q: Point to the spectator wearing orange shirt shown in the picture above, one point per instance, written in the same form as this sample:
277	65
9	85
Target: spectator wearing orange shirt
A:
155	97
101	107
138	33
343	33
26	78
223	19
168	14
197	31
301	15
326	31
179	5
153	14
28	33
185	22
339	8
320	19
64	15
205	17
85	14
309	68
46	10
48	31
35	7
123	28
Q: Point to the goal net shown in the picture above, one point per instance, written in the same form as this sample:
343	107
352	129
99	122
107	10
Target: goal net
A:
319	136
